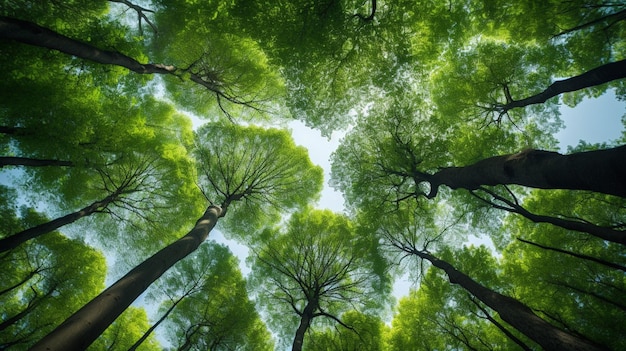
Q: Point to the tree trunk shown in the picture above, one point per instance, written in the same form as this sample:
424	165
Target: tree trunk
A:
155	325
577	255
33	34
84	326
305	322
597	76
17	239
502	328
604	233
31	162
518	315
34	302
602	171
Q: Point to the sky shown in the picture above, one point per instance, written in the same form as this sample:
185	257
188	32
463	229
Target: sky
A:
592	120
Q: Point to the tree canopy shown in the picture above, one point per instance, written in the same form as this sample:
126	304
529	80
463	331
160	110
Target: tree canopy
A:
131	130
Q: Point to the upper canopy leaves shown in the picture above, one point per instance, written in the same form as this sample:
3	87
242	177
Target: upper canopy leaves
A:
255	173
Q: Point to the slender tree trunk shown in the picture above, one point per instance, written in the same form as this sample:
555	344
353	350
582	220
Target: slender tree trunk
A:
599	297
155	325
602	171
33	34
518	315
17	239
604	233
305	322
502	328
30	33
34	302
20	283
84	326
597	76
577	255
31	162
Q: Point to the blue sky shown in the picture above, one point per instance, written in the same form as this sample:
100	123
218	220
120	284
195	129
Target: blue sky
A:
593	120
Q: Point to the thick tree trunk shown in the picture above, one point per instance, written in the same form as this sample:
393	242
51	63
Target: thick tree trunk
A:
597	76
305	322
518	315
602	171
31	162
17	239
84	326
155	325
502	328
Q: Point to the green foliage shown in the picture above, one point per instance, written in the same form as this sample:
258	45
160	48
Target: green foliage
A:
217	313
441	316
318	259
579	294
124	331
41	286
418	86
257	173
366	334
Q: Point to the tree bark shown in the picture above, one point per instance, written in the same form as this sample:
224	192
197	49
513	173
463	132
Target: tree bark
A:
305	322
501	327
602	171
33	34
84	326
510	310
17	239
597	76
31	162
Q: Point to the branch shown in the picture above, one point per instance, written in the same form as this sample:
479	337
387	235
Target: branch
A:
140	14
577	255
371	16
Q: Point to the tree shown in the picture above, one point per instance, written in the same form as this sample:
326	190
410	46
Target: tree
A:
218	315
440	315
396	157
367	334
578	295
210	279
317	267
40	286
609	232
270	168
129	186
512	311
